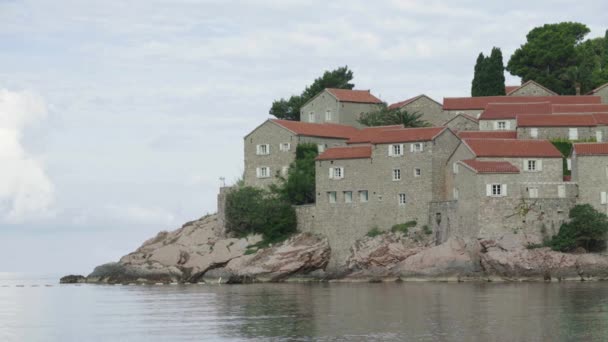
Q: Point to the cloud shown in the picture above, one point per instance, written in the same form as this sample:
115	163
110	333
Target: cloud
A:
26	192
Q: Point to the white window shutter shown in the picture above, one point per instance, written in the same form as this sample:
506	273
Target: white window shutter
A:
508	125
488	189
504	189
267	148
331	173
341	172
495	125
603	197
539	164
257	172
257	149
421	147
411	147
390	150
525	166
401	149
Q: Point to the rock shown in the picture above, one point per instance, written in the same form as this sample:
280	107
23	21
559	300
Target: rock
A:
72	279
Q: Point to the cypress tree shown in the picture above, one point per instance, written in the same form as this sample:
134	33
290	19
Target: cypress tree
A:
475	86
496	73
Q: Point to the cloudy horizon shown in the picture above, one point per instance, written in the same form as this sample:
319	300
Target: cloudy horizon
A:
117	120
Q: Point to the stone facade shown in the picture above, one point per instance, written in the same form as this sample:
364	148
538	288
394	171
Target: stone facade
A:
474	113
602	92
583	133
276	159
591	175
326	108
463	122
431	110
532	88
496	125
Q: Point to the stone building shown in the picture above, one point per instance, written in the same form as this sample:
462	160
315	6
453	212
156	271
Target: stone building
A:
529	88
559	126
601	91
501	116
463	122
339	106
271	147
590	172
431	110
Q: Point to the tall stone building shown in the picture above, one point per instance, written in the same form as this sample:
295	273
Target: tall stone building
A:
339	106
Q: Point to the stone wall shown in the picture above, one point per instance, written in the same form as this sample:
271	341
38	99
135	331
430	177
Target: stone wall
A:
432	111
345	113
443	218
531	89
221	207
603	93
584	133
462	123
591	174
490	125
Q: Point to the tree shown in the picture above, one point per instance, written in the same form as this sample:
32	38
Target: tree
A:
396	116
548	52
587	228
299	185
290	109
489	77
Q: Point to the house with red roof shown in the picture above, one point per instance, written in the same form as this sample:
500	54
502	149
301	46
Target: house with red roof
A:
601	91
560	126
590	172
501	116
271	147
339	106
431	110
529	88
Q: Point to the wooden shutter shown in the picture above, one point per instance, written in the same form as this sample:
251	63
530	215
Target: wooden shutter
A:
488	189
390	150
603	197
504	190
508	125
411	147
341	172
331	173
539	164
401	149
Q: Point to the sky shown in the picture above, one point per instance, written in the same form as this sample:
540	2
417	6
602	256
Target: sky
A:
118	118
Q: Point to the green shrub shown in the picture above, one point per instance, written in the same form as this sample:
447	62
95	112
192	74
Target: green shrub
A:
374	232
587	228
299	185
403	227
427	230
534	245
255	211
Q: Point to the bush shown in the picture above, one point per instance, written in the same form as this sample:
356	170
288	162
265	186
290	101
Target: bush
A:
587	229
427	230
403	227
299	186
256	211
374	232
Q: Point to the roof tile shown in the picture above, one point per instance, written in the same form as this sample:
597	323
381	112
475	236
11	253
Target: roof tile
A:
407	135
318	130
357	96
509	148
350	152
464	103
511	110
580	108
366	135
590	149
487	135
556	120
490	166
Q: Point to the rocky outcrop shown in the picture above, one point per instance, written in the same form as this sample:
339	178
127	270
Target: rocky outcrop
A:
198	247
72	279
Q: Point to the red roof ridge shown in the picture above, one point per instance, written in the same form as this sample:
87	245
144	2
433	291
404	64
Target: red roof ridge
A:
326	130
590	149
487	166
346	152
405	135
353	95
514	148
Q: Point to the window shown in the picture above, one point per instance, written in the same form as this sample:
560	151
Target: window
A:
336	172
321	148
417	172
561	191
455	168
416	147
534	132
284	170
455	193
363	196
348	196
573	133
496	190
395	150
533	165
331	196
263	149
328	115
501	125
284	147
533	192
396	174
402	199
263	172
311	117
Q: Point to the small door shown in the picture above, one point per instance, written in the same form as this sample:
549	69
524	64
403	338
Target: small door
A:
598	136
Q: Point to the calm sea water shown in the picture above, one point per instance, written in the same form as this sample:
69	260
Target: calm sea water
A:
304	312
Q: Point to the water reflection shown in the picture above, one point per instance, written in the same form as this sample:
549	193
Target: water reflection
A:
326	312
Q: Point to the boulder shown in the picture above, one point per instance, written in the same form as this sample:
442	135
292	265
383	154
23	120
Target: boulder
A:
72	279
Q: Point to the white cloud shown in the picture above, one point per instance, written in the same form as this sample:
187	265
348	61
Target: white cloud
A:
25	190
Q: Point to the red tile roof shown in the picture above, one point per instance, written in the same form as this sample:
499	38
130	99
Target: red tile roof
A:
407	135
506	148
367	134
487	135
490	166
318	130
556	120
601	119
590	149
350	152
408	101
463	103
510	89
358	96
580	108
511	110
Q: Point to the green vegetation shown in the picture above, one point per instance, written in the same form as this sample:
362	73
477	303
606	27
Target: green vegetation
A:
556	56
290	109
586	229
299	186
375	231
489	76
427	230
565	147
403	227
385	116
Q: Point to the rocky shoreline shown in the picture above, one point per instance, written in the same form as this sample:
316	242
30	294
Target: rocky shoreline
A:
198	252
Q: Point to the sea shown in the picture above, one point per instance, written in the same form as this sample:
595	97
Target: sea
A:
38	308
